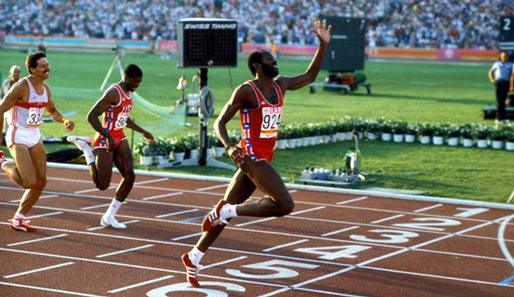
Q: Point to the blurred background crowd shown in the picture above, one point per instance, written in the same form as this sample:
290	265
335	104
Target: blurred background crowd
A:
391	23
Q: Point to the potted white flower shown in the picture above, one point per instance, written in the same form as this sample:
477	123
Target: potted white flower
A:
439	133
143	150
374	129
399	129
453	135
387	131
425	131
497	138
483	133
412	131
509	140
468	133
282	137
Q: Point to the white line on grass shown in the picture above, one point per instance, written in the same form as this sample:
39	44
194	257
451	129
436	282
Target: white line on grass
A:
140	284
49	290
125	251
36	240
285	245
38	270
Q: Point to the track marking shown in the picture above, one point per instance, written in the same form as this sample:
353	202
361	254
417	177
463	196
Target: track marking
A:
49	290
191	219
103	227
340	231
140	284
36	240
95	206
508	281
501	239
38	270
163	195
212	187
428	208
187	236
125	251
387	219
176	213
285	245
94	190
47	196
255	222
151	181
352	200
45	215
223	262
273	218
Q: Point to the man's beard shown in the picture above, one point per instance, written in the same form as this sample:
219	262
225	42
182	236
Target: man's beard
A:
269	71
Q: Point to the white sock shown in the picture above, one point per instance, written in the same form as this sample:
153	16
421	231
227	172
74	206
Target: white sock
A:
88	154
195	255
19	215
228	211
113	208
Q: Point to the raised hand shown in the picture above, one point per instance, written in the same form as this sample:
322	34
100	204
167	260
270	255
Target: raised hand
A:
322	31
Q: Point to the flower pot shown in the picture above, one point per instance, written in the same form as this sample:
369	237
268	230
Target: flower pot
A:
312	140
305	141
467	142
386	137
281	144
409	138
497	144
334	137
193	154
349	136
509	145
317	139
341	136
219	150
299	142
178	157
482	143
162	160
326	138
209	153
145	160
372	136
453	141
438	140
291	143
398	137
360	135
425	139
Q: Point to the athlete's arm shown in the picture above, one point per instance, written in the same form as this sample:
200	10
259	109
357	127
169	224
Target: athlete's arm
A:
296	82
56	114
110	97
15	94
236	102
491	77
136	127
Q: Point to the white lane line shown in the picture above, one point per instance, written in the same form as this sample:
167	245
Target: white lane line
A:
125	251
36	240
223	262
163	195
95	206
103	227
140	284
352	200
285	245
428	208
176	213
501	240
340	231
292	191
38	270
272	218
255	222
387	219
151	181
47	196
45	215
187	236
93	190
49	290
307	210
212	187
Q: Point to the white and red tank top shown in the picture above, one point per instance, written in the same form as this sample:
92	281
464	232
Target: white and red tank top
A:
116	116
29	114
260	126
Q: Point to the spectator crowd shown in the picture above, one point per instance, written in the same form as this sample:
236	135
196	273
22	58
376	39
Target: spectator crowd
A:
391	23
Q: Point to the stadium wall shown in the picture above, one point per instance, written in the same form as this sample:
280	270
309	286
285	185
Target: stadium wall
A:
285	50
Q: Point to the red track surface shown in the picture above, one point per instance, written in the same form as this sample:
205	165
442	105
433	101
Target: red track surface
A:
332	245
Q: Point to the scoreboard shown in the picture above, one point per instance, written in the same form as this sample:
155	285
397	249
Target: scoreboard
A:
506	42
206	42
345	52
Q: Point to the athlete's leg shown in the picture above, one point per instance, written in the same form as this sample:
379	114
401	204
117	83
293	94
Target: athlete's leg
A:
122	158
31	195
101	170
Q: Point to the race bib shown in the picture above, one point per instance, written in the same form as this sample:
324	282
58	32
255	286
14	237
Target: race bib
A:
35	116
121	122
270	121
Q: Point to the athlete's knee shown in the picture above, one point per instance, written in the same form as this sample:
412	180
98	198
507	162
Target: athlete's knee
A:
30	184
102	185
130	177
286	206
41	184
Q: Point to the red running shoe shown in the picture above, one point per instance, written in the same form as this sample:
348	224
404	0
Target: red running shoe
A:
213	218
21	226
191	271
2	158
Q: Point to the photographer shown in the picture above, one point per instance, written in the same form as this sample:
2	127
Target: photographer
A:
502	77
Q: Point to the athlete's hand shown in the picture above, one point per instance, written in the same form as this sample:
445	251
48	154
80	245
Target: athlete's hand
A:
148	136
236	153
322	31
111	144
69	124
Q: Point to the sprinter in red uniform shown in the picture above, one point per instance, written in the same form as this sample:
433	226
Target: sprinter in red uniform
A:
259	103
110	142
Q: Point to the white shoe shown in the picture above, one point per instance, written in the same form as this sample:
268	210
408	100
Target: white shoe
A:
81	142
111	221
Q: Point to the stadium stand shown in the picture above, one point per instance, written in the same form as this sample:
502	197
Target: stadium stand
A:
392	23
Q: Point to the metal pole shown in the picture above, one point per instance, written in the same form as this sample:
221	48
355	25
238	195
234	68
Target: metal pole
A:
203	119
